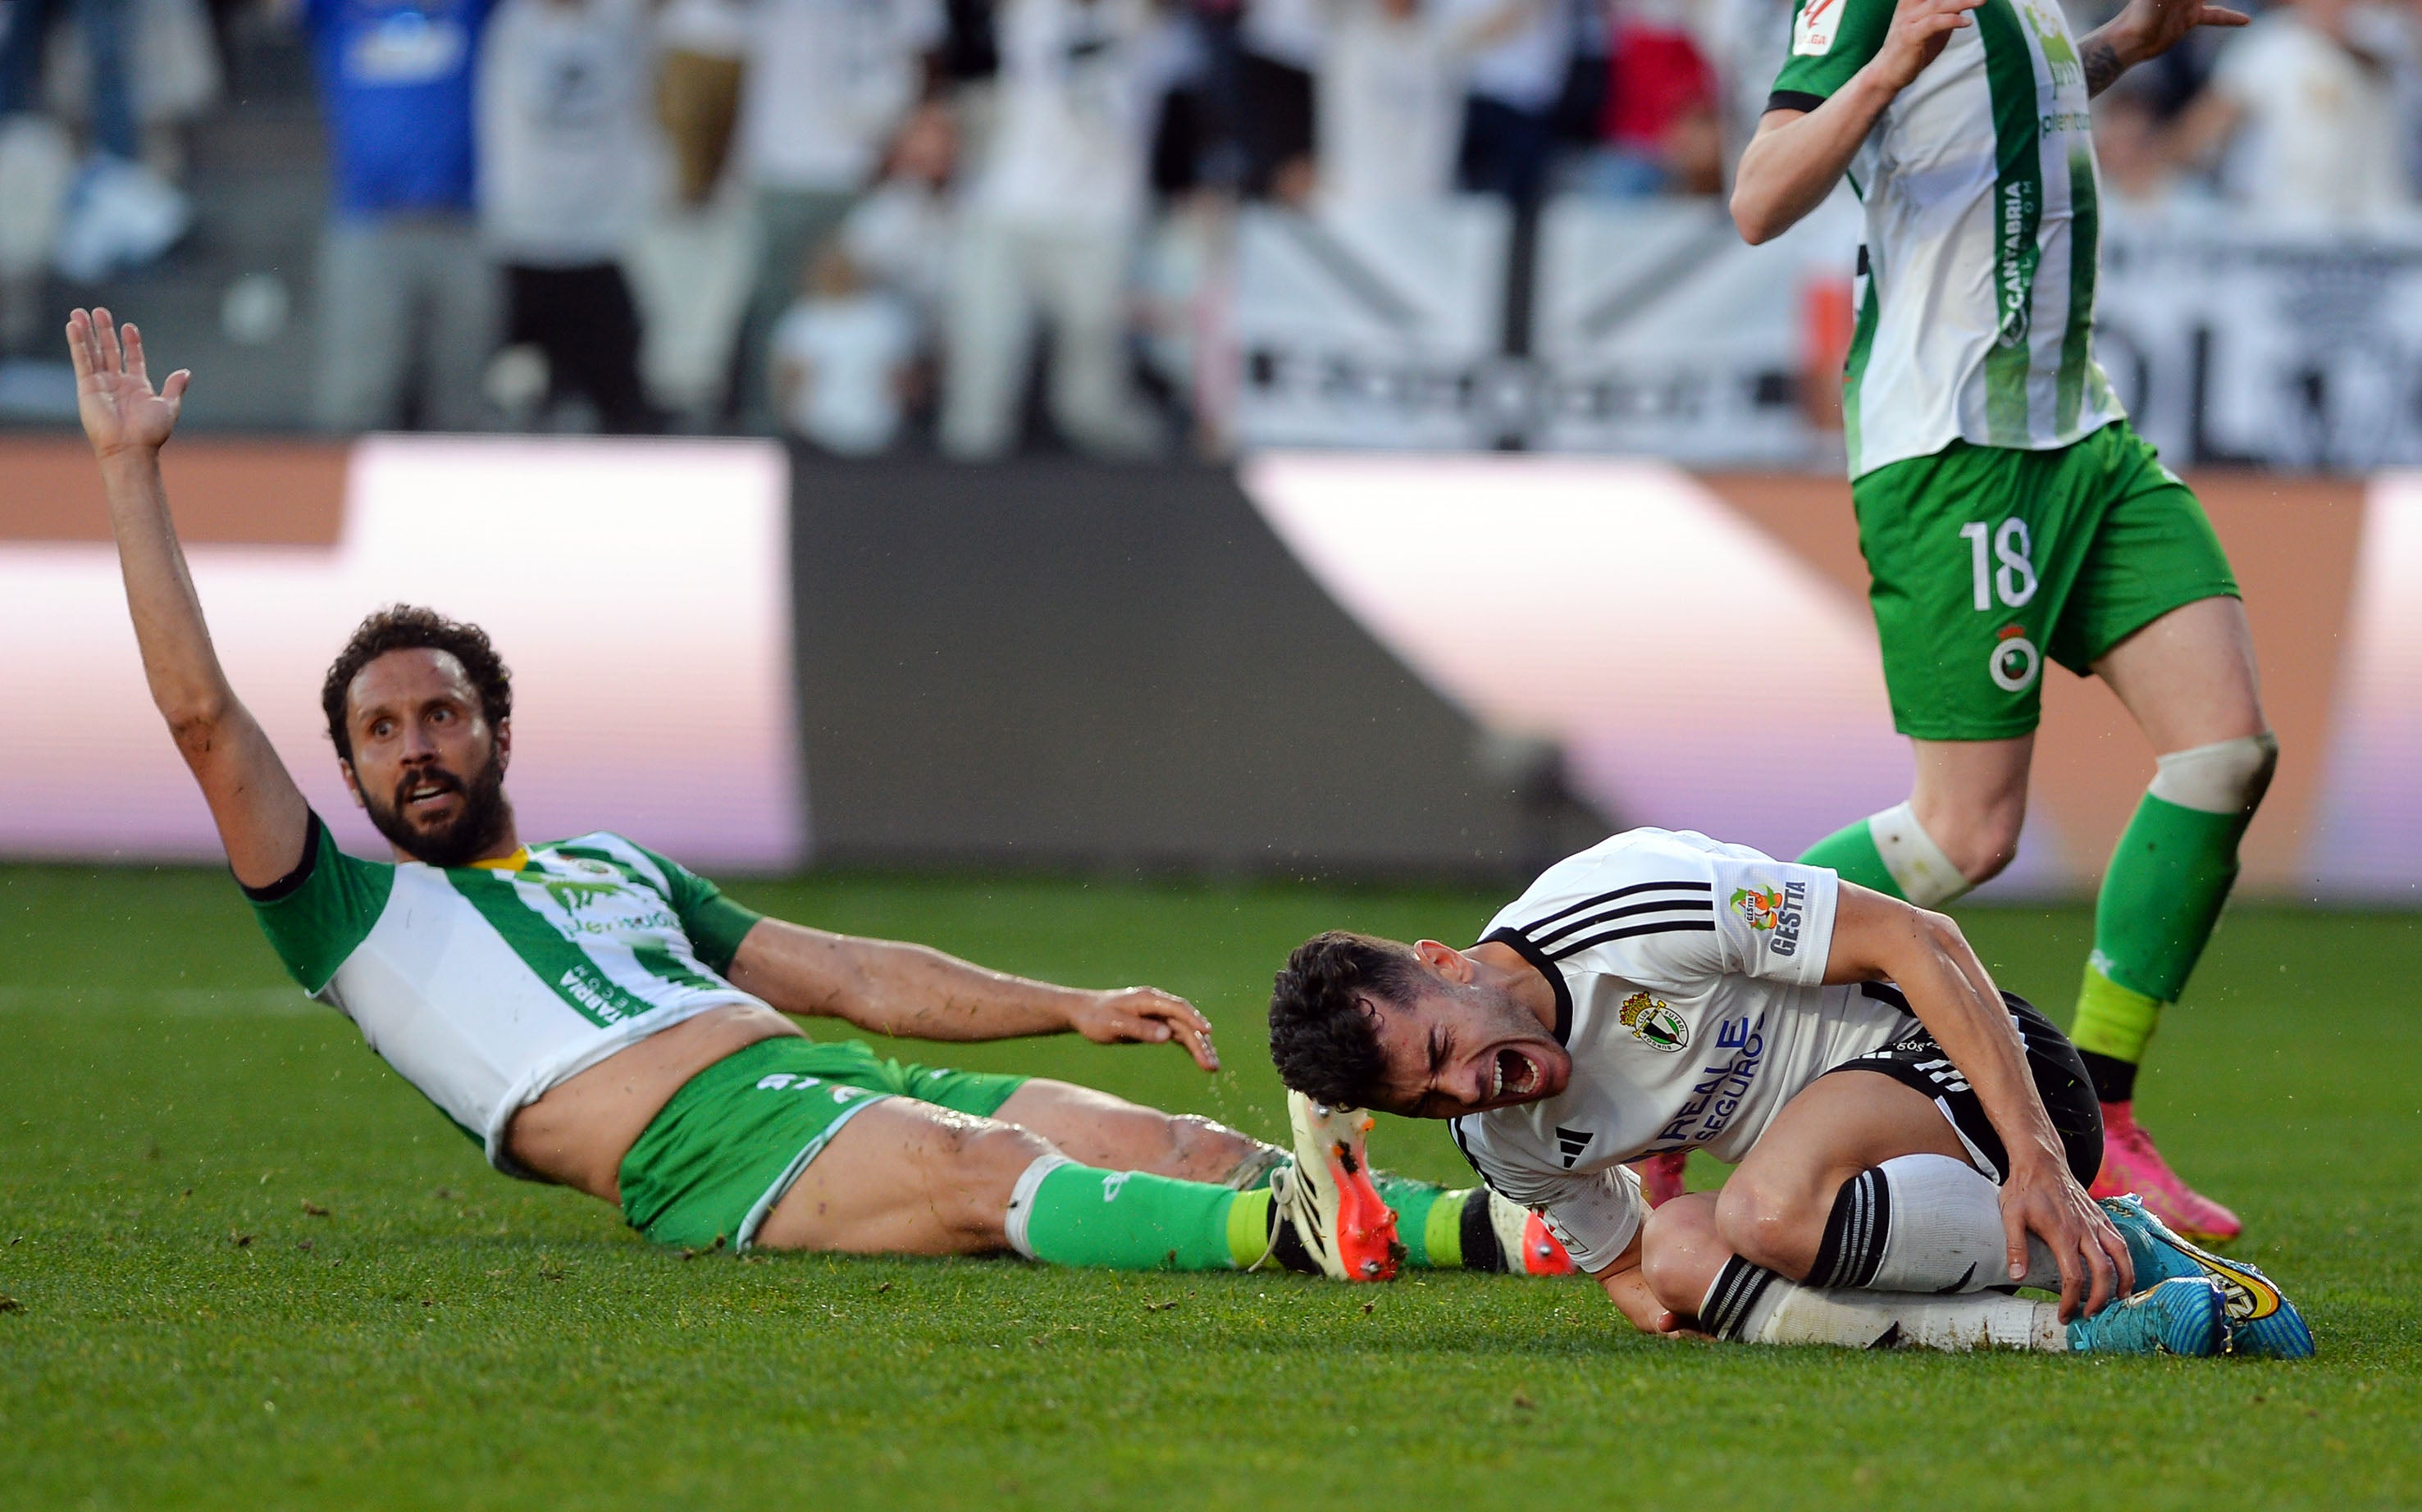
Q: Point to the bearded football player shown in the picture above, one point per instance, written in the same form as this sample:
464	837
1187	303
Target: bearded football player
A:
595	1015
1912	1144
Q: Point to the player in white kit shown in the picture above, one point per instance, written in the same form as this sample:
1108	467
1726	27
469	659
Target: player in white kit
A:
1911	1141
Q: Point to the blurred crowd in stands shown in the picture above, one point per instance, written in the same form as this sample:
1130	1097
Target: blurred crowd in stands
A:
966	226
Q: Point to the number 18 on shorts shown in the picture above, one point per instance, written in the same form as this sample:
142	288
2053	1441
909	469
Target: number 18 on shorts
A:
1987	560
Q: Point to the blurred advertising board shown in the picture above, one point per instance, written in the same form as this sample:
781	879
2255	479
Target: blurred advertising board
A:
1698	646
2237	343
1650	329
1380	329
638	590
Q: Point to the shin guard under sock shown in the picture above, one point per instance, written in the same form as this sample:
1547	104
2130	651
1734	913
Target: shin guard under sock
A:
1753	1306
1922	1224
1077	1215
2170	874
1444	1230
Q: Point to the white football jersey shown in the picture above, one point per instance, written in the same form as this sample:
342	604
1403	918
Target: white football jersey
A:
1689	989
487	985
1976	316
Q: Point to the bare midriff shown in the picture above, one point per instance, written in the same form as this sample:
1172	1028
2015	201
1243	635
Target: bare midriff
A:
578	1132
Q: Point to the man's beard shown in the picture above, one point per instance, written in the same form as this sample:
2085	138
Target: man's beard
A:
474	830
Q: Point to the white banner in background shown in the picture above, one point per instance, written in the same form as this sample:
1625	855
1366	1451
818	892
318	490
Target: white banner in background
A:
2232	343
1659	332
1655	331
1377	329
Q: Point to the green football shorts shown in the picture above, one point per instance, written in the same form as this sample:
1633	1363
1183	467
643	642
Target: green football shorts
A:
1984	560
713	1162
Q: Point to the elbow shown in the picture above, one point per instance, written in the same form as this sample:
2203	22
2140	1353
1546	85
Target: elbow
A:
195	723
1752	220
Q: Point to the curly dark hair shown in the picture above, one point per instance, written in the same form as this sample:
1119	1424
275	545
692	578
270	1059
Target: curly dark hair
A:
404	627
1323	1036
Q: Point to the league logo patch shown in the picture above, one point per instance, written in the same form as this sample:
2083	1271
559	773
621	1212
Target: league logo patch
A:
1775	911
1813	29
1758	909
1654	1023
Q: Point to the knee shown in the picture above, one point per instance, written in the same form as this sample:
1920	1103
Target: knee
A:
2225	777
1775	1225
1680	1253
974	1165
1203	1149
1983	842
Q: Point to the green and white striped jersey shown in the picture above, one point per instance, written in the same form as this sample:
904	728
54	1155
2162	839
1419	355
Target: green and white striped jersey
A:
485	986
1976	298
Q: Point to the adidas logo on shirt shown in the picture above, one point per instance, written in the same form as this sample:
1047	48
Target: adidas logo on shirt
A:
1572	1142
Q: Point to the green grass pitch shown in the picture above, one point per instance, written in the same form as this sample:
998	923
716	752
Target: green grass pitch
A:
245	1266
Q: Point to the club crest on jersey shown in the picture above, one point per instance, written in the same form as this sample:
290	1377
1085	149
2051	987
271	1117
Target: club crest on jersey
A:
582	866
2014	661
1654	1023
1774	911
1814	28
574	896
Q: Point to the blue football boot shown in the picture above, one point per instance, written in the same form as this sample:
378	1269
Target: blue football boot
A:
2185	1316
2262	1322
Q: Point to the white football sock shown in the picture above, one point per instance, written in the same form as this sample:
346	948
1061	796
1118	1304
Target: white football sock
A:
1924	874
1021	1201
2225	777
1757	1306
1944	1231
1869	1320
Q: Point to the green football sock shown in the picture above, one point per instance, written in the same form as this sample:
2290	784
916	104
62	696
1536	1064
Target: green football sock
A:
1850	850
2111	1029
1432	1223
2168	877
1077	1215
1421	1206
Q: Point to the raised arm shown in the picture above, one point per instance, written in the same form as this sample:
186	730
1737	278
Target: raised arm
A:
2143	30
894	989
261	814
1844	69
1854	70
1881	939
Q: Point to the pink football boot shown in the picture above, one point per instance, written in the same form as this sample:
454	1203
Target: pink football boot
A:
1660	1176
2132	1164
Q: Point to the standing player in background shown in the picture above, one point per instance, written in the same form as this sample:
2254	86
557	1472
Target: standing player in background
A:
2007	510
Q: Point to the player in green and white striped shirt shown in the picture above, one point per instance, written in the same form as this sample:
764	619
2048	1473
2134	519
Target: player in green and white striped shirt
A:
593	1014
2006	511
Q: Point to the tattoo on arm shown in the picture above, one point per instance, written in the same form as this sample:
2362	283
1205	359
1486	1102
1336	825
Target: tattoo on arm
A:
2103	66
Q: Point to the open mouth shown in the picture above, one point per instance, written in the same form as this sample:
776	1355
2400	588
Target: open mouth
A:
422	794
1518	1075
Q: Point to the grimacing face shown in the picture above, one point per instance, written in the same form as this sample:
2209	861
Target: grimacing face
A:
1463	1044
426	767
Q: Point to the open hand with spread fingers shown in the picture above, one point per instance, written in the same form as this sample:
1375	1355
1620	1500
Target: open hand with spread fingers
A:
1146	1015
2143	30
114	393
